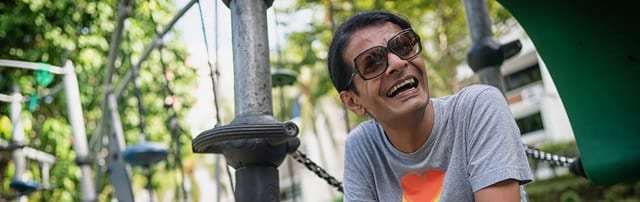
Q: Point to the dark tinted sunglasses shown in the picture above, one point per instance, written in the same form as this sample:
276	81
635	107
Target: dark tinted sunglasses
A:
373	62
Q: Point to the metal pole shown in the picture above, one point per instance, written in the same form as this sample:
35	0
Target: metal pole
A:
17	139
486	55
79	133
125	9
119	171
157	40
251	58
252	91
253	143
149	183
17	136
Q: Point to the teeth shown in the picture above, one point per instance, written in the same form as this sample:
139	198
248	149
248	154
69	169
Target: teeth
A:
396	87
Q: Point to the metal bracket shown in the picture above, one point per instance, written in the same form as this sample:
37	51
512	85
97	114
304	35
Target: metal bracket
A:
249	143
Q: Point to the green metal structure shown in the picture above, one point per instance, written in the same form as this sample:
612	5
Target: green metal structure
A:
592	50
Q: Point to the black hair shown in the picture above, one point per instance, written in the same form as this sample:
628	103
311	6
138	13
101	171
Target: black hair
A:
339	70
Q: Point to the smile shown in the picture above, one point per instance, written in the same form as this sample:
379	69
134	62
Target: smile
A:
402	86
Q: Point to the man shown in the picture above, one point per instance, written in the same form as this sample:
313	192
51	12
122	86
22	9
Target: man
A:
462	147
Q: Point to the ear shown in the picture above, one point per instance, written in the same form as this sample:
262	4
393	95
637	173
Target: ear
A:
351	100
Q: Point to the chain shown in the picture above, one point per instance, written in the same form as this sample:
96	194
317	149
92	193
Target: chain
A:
532	152
320	172
553	159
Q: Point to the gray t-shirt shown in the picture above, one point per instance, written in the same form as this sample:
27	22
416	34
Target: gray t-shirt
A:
474	143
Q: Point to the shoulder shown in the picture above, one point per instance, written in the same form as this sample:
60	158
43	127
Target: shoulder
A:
478	96
362	134
469	102
361	142
479	90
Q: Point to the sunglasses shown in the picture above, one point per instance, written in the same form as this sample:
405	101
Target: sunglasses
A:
373	62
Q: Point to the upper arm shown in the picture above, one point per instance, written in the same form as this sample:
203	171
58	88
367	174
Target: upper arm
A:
494	147
358	185
504	191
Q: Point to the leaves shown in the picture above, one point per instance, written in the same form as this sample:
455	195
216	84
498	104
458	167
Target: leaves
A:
50	32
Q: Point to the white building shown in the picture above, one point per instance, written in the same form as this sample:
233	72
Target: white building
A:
533	99
531	94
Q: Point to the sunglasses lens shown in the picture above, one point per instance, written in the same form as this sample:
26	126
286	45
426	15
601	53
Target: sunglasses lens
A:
372	62
406	45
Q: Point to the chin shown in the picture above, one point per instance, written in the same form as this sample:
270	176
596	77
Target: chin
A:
416	103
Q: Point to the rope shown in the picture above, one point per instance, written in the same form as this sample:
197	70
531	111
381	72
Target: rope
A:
214	73
138	94
213	69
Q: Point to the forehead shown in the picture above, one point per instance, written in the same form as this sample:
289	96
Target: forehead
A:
367	37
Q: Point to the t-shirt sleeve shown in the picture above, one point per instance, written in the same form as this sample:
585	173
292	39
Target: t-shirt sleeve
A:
494	147
358	185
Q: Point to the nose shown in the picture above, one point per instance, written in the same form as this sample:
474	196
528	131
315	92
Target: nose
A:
395	63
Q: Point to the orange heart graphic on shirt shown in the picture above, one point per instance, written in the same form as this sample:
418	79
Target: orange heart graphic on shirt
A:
427	187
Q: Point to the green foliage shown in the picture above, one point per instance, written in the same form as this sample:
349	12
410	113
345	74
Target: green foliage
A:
571	188
51	32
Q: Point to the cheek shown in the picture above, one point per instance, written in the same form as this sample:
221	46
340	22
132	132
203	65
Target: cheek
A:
373	87
419	63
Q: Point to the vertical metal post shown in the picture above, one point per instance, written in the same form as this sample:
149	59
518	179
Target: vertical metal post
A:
252	91
17	135
125	9
45	170
251	58
253	143
76	119
119	171
486	55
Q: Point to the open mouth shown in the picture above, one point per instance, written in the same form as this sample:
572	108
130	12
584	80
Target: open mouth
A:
402	86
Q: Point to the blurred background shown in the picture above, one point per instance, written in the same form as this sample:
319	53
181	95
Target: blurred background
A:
177	96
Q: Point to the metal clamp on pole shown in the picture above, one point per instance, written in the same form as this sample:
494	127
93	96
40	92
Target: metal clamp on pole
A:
233	138
486	55
255	147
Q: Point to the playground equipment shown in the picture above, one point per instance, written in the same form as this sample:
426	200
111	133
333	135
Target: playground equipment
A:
593	56
255	126
119	172
75	119
21	152
253	143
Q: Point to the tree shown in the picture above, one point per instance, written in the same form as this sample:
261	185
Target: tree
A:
54	31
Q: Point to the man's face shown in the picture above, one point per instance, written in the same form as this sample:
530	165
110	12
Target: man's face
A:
400	90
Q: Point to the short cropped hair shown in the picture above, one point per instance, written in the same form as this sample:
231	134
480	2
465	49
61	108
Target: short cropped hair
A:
339	70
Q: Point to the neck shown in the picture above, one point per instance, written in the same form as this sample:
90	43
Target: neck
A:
409	133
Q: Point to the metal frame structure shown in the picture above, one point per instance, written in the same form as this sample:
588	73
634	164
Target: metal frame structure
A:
76	119
119	171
